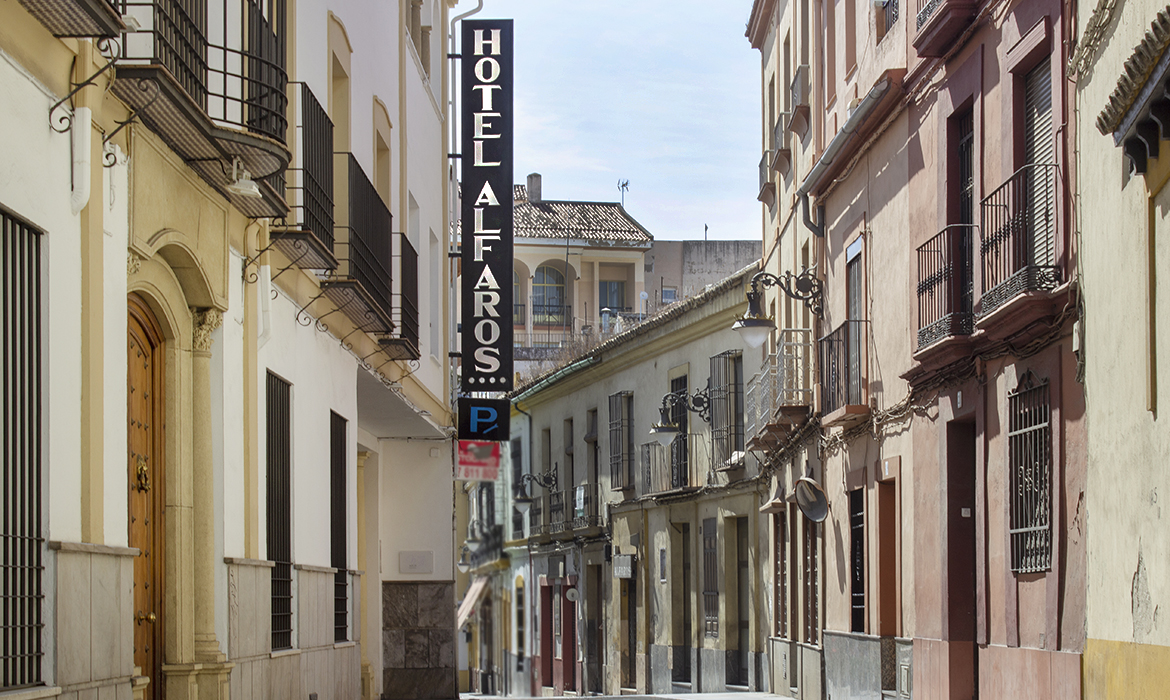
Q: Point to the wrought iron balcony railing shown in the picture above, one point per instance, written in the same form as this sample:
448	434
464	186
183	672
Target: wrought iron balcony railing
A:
403	344
306	238
844	364
536	524
1018	246
551	314
939	22
784	382
361	287
556	511
233	68
519	318
517	524
946	285
682	465
586	506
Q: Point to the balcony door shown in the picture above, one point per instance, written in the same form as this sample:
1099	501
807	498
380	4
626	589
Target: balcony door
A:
855	302
1039	152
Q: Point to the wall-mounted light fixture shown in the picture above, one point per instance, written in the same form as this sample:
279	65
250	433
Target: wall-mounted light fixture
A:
755	326
522	501
242	182
464	562
665	431
475	542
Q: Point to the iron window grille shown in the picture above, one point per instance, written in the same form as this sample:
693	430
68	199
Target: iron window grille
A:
780	554
710	579
727	410
21	532
679	449
337	520
1030	478
843	362
812	566
621	439
279	493
857	559
310	196
368	241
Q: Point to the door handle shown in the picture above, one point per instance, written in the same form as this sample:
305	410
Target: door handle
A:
142	474
145	617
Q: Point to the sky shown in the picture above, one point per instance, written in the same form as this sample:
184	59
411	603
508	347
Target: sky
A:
664	94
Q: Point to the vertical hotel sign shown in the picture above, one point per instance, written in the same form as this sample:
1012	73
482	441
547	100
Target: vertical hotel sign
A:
486	218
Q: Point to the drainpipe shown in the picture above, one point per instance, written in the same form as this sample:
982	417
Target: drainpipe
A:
856	119
82	133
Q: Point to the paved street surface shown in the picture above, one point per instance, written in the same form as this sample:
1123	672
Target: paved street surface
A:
686	696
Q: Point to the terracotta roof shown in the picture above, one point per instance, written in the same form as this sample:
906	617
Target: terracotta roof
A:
593	221
1136	72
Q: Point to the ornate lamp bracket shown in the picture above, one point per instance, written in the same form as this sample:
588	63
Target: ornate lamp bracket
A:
804	287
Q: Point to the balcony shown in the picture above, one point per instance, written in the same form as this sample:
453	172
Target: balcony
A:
94	18
781	153
552	315
945	285
402	343
678	469
939	23
798	121
780	395
1018	246
556	512
537	527
767	193
213	91
361	285
586	508
306	235
844	369
519	318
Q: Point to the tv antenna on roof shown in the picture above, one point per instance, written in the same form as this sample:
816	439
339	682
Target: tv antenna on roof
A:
623	185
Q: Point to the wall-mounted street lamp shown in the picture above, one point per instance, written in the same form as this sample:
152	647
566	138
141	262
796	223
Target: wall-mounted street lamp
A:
755	326
665	431
464	562
522	501
475	542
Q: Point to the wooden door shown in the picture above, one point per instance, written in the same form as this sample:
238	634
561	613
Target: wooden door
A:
144	429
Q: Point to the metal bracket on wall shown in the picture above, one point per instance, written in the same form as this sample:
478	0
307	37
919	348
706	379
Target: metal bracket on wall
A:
111	50
109	158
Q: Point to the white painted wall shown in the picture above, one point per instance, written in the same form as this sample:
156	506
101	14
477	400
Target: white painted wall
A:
113	195
417	506
40	195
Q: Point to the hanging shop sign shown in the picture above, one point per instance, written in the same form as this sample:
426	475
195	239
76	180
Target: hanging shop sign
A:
486	215
477	461
484	419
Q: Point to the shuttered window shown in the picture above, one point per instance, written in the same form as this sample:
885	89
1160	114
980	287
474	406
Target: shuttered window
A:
1040	150
621	439
279	452
337	521
727	422
21	571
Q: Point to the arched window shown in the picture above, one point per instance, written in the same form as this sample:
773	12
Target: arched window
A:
548	297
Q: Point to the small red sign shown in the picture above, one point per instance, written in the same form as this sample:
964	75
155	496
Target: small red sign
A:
478	461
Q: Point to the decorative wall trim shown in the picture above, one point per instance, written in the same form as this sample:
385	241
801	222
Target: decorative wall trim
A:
89	548
1137	71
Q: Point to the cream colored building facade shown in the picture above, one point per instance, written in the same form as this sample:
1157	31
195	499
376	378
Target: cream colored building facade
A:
226	257
1119	70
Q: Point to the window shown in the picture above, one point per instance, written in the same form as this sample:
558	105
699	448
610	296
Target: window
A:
1040	151
279	458
21	532
612	295
517	471
337	522
517	307
621	439
857	559
669	295
548	297
679	452
1029	481
780	572
727	409
520	626
887	17
812	567
850	35
710	579
568	446
830	48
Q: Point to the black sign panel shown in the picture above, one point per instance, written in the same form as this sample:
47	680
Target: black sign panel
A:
484	419
486	217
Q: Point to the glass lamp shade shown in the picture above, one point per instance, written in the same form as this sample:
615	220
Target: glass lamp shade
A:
463	565
474	544
521	501
664	434
754	331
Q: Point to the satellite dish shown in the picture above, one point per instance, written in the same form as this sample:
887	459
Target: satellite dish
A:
572	595
810	498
